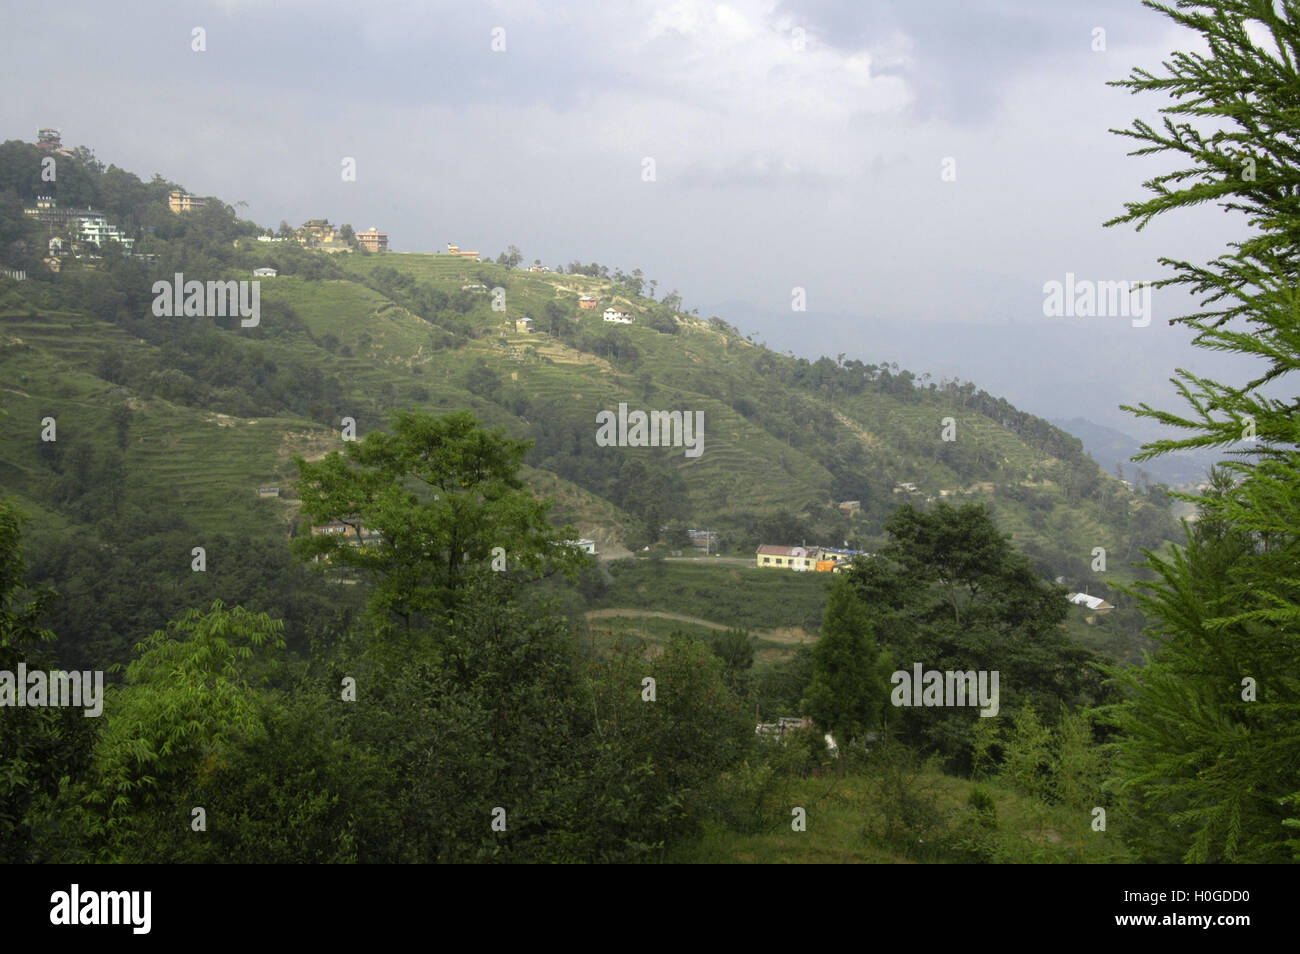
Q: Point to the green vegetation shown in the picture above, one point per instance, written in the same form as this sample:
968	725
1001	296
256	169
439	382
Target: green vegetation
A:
399	695
1208	731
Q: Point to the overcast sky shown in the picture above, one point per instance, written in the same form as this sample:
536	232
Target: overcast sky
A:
794	144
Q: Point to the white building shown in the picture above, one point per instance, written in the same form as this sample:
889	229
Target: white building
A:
264	273
621	317
1095	603
94	228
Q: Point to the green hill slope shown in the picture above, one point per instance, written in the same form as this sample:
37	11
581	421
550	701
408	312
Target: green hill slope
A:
200	412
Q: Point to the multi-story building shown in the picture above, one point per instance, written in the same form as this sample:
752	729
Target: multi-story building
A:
179	202
94	227
47	213
86	226
51	140
373	240
316	232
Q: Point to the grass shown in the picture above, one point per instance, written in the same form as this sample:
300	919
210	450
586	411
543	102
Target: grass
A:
744	597
849	820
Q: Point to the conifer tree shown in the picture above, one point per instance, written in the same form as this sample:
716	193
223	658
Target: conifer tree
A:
1210	743
850	677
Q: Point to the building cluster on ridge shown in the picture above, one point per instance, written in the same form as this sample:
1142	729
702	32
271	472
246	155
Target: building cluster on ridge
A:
72	231
321	235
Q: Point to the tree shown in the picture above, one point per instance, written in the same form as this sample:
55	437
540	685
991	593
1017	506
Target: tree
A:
557	319
736	648
1226	603
426	507
38	744
949	591
850	675
120	416
192	692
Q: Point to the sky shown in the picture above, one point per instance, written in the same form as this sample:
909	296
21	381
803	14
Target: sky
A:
919	169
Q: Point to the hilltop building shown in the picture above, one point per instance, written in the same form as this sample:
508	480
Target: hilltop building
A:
455	250
315	232
373	240
52	140
319	233
179	202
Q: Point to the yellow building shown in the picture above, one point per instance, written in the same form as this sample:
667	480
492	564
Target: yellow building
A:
180	202
800	559
373	240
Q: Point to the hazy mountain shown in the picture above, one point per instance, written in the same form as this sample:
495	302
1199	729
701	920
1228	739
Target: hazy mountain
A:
1111	448
1056	368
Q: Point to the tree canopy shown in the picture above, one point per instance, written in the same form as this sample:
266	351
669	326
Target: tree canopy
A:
427	507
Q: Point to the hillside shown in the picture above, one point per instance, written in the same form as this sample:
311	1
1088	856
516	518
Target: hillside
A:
195	414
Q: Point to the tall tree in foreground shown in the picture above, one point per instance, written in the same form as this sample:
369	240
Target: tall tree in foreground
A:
850	680
1210	745
38	744
949	591
432	504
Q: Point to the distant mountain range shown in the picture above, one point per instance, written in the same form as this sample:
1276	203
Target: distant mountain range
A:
1056	368
1111	448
